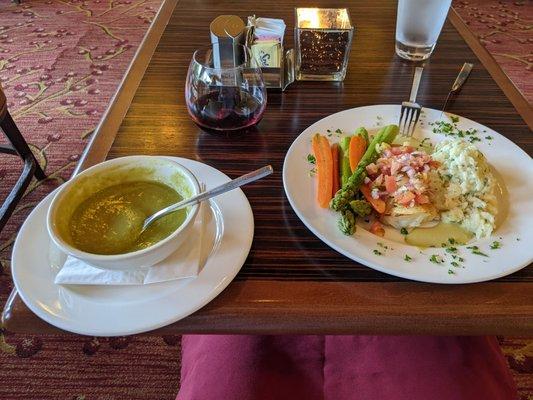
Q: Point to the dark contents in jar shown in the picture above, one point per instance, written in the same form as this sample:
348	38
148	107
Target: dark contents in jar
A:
322	52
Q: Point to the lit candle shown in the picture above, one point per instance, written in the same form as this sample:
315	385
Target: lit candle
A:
323	41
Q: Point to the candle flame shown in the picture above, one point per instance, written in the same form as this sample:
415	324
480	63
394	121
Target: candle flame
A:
308	18
323	18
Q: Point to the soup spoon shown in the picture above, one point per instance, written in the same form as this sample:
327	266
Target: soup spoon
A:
226	187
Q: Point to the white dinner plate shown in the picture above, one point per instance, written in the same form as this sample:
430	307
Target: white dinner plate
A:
515	232
124	310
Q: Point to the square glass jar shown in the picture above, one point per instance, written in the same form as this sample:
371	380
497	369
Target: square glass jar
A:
323	38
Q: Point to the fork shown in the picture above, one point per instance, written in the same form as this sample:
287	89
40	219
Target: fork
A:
411	109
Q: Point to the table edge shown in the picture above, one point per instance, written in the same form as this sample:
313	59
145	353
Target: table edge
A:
489	308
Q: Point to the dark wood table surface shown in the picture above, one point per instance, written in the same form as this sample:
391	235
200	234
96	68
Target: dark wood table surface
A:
291	281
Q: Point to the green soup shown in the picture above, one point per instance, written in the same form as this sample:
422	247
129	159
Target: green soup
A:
110	221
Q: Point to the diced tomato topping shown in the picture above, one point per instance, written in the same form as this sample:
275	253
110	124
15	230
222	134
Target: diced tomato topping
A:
397	150
405	198
401	169
377	229
390	184
421	199
371	168
395	166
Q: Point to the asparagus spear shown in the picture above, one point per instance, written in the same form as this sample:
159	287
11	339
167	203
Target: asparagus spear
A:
361	207
344	159
362	132
348	214
348	191
347	221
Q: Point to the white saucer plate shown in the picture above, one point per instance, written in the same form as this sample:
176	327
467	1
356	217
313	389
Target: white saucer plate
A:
125	310
515	233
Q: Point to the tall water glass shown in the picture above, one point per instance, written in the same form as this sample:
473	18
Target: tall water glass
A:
418	27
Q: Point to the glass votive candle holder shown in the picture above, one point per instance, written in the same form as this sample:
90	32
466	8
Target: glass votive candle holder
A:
323	37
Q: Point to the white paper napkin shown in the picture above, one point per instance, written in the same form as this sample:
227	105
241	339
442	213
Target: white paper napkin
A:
183	263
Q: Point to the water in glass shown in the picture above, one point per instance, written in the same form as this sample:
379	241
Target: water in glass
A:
418	27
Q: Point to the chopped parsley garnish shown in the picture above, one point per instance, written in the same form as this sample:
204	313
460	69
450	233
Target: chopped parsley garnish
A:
455	264
451	129
451	249
495	245
489	137
382	245
451	272
451	241
436	259
423	143
328	130
338	131
407	258
476	251
311	159
403	231
377	252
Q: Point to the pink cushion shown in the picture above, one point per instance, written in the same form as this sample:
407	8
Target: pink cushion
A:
343	367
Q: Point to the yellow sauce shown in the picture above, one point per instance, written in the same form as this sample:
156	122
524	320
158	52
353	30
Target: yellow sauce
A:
110	221
437	235
502	198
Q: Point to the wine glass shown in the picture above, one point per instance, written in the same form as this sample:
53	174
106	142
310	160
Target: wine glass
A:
227	97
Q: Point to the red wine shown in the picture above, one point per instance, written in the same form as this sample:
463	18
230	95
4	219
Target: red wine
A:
228	108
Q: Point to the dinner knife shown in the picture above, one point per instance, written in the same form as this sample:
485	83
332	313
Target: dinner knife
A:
459	81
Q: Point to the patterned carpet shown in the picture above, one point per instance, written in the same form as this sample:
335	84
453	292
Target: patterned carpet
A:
505	28
60	63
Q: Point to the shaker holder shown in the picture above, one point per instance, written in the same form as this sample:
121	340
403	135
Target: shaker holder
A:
275	78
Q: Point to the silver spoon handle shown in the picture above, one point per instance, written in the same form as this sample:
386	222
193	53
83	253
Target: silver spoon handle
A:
416	84
226	187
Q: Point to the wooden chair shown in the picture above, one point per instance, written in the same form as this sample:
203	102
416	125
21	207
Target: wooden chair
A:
19	147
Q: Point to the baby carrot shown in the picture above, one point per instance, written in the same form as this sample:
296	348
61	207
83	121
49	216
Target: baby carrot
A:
357	149
324	167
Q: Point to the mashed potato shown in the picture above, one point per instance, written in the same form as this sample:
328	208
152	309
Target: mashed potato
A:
463	187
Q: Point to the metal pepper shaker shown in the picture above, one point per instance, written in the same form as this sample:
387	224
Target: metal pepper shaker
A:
227	33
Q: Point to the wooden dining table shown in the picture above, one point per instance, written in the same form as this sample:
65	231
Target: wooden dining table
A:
291	282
